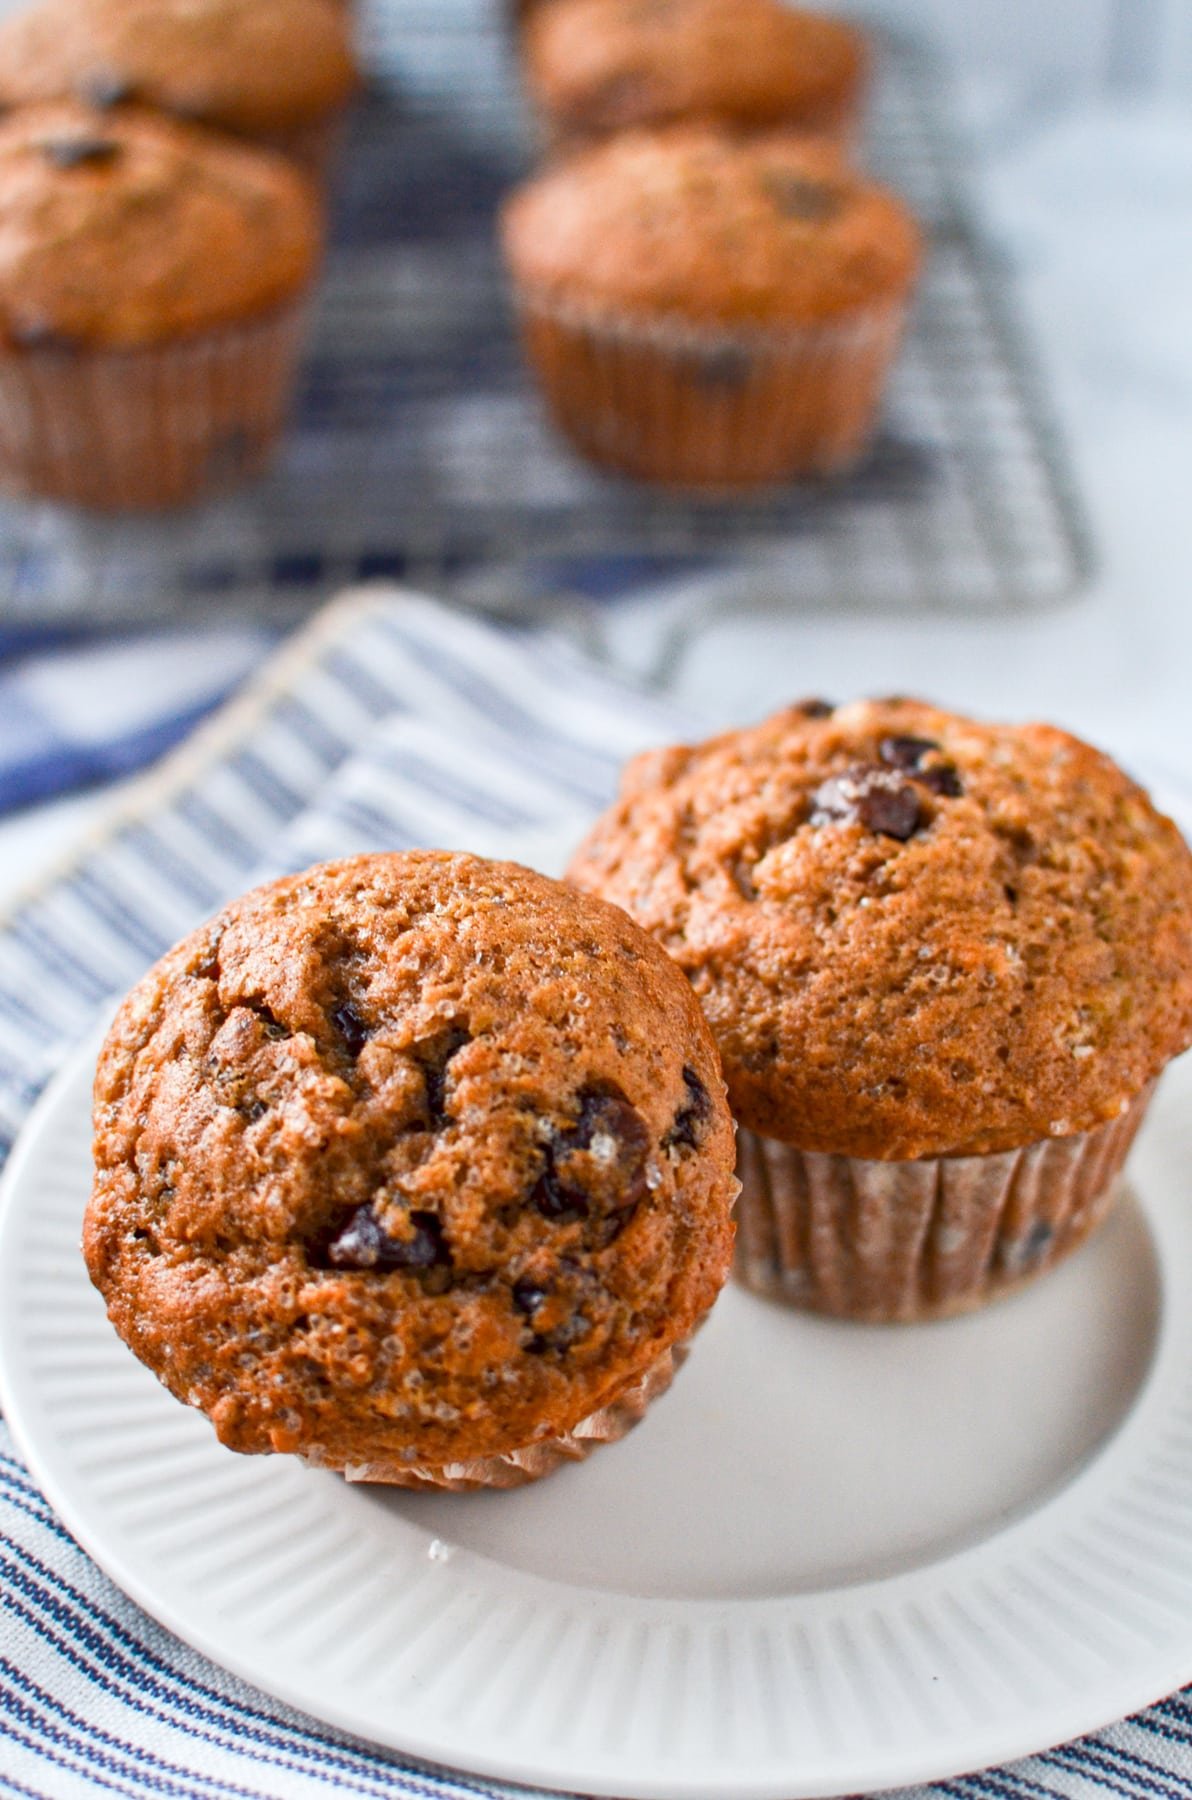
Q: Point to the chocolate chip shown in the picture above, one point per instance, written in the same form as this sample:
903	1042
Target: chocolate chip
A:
879	799
528	1297
798	197
351	1028
596	1168
813	709
911	753
561	1338
80	151
433	1056
106	88
906	752
363	1243
561	1204
687	1130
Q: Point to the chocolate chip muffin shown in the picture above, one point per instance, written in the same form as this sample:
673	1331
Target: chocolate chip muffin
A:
944	963
710	312
417	1166
152	287
279	72
599	66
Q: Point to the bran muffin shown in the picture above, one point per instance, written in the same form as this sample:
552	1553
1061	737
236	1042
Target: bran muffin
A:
944	962
152	281
707	311
417	1166
278	72
599	66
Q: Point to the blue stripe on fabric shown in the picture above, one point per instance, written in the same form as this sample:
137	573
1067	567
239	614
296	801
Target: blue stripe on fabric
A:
216	828
89	1738
442	784
171	863
302	1741
73	766
59	959
362	684
267	785
313	732
117	912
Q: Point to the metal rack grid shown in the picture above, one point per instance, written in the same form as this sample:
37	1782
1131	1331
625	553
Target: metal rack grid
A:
419	449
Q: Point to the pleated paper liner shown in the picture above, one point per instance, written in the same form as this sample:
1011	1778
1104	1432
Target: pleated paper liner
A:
886	1241
517	1468
152	427
707	409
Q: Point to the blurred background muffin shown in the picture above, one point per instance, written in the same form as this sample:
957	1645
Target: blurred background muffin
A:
708	311
598	66
945	963
152	279
417	1166
280	72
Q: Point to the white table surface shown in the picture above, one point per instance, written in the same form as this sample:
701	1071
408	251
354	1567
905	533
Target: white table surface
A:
1094	208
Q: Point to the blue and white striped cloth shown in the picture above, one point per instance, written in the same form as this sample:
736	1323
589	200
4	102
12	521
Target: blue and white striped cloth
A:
393	722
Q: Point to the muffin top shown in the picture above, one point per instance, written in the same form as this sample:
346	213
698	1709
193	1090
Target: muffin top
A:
250	66
410	1156
123	229
913	935
692	223
602	65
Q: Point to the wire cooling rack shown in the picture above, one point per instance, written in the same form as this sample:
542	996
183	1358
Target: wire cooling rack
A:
419	448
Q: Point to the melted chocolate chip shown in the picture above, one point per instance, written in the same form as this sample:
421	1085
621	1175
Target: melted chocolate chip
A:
556	1201
797	197
688	1128
596	1169
528	1297
911	753
814	709
106	88
351	1028
433	1057
80	151
363	1243
879	799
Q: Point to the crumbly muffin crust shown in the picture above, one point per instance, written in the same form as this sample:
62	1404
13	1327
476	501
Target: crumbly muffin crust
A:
603	65
694	224
124	229
410	1158
913	935
256	67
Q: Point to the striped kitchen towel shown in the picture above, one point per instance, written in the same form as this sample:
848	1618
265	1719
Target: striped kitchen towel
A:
393	721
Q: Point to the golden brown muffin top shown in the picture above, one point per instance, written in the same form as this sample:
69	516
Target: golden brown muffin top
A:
691	223
409	1157
122	229
249	66
602	65
913	935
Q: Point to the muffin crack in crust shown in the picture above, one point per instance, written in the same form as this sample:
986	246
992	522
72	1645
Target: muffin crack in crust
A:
913	935
409	1159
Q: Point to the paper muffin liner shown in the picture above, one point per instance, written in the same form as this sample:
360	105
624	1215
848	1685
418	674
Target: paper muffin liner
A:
147	428
517	1468
704	408
887	1241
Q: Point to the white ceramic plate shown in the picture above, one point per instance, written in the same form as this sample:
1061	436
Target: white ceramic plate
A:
834	1558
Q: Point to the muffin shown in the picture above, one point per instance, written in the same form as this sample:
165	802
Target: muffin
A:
416	1166
279	72
711	312
152	280
944	963
600	66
